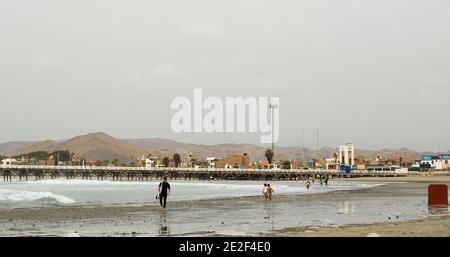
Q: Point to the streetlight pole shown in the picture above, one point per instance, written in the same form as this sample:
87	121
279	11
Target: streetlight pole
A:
272	106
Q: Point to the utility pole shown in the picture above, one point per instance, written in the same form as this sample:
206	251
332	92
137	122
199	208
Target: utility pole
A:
303	145
272	106
317	143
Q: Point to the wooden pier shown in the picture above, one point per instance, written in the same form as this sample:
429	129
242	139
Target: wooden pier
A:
31	172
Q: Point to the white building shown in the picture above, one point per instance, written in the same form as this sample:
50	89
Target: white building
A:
9	161
441	162
151	162
212	161
347	154
331	163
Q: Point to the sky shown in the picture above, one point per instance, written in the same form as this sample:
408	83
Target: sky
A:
374	73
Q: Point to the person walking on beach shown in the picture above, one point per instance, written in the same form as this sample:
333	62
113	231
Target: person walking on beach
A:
321	181
308	184
266	191
163	191
326	181
270	191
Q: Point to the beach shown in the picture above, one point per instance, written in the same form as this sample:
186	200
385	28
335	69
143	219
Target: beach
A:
389	207
428	227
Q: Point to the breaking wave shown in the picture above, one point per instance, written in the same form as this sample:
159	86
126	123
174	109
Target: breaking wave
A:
29	196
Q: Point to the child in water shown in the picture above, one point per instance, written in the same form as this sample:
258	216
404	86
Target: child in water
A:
270	191
266	191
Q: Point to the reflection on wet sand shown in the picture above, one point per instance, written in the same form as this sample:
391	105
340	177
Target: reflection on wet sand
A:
163	229
437	210
346	207
268	214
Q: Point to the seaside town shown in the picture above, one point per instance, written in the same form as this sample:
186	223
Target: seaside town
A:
346	160
225	124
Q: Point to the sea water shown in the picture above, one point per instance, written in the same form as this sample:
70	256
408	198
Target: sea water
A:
76	192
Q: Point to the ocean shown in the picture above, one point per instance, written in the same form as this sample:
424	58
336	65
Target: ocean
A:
77	192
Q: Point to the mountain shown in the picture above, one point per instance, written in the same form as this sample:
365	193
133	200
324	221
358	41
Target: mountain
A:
94	146
100	146
6	148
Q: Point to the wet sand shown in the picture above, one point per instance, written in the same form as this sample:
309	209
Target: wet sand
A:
244	216
437	226
429	227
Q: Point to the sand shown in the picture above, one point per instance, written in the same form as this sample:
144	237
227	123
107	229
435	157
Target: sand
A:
429	227
211	217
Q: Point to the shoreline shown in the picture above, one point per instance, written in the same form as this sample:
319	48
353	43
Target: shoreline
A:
132	220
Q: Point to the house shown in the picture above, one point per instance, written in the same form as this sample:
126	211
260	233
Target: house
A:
51	161
151	161
332	163
212	161
9	162
234	161
296	164
188	161
439	162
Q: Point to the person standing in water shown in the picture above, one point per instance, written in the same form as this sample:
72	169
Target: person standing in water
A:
266	192
270	191
163	191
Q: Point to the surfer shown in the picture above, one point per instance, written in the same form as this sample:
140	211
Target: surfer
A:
163	191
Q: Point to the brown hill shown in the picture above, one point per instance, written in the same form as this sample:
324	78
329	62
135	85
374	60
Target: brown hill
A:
100	146
8	147
94	146
46	145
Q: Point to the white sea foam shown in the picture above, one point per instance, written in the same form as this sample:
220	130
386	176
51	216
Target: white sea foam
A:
20	195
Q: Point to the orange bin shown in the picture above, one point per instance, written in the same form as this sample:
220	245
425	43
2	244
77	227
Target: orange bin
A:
438	194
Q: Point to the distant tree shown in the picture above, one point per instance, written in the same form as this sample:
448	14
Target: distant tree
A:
286	165
115	162
166	161
39	155
62	156
105	162
201	163
269	156
177	159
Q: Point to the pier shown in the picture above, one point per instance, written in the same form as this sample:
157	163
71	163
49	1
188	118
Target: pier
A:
35	172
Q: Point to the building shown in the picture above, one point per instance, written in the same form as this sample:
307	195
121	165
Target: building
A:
151	161
439	162
332	163
212	161
9	162
188	161
443	162
347	155
51	161
234	161
297	164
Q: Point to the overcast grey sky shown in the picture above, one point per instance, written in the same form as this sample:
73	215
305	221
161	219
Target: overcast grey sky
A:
375	73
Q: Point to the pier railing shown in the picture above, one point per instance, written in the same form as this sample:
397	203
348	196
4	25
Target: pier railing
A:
145	173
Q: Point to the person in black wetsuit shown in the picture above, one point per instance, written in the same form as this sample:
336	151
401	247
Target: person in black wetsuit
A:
163	191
